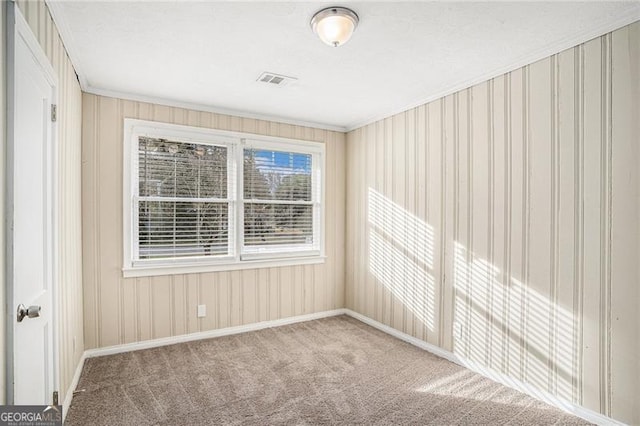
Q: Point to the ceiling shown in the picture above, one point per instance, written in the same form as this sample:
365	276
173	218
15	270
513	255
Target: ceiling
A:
208	55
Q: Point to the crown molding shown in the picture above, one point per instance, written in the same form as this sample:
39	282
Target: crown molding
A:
624	18
209	108
70	44
68	40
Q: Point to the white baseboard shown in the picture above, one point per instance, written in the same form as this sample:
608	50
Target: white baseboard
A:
146	344
110	350
518	385
569	407
72	387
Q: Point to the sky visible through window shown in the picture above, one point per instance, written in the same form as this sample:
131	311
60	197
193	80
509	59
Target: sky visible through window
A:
186	192
284	162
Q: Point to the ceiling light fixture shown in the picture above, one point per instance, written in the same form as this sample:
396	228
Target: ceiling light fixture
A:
334	25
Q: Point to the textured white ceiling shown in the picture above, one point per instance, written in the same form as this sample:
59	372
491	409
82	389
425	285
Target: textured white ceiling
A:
402	54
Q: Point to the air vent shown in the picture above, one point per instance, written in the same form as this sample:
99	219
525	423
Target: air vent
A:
275	79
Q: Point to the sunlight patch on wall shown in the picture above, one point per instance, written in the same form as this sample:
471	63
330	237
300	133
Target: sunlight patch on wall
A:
408	231
530	337
401	256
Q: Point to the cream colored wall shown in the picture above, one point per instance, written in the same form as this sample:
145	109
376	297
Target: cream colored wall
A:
119	310
68	181
511	169
501	223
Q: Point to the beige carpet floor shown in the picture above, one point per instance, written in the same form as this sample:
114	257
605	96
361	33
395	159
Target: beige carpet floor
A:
329	371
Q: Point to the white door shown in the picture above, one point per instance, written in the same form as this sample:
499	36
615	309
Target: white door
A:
31	88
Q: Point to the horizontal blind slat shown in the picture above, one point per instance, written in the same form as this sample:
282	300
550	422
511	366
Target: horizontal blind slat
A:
178	169
277	175
278	198
267	224
177	229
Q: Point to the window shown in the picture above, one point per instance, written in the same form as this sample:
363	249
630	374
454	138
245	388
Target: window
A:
279	204
202	200
183	204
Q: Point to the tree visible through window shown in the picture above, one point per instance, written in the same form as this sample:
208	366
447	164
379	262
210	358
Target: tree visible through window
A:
278	205
201	196
183	208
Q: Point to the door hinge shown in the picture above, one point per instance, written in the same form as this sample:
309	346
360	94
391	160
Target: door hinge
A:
55	398
54	112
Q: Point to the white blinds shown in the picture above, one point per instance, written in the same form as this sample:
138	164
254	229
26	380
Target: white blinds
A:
183	207
279	204
202	199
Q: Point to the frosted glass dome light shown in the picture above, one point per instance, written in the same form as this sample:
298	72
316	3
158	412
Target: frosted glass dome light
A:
334	25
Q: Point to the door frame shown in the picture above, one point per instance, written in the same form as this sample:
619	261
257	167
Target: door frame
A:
16	27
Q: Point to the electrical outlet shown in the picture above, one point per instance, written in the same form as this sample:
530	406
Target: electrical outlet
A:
202	311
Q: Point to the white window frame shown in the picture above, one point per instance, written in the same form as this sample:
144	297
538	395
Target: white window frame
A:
298	250
239	257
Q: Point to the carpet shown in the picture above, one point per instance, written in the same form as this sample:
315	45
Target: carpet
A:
335	370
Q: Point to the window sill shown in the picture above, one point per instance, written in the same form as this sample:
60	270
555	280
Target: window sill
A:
156	270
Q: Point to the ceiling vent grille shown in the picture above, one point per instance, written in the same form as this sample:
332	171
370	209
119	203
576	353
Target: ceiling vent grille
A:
275	79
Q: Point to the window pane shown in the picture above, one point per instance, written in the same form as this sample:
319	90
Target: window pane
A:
181	229
178	169
277	224
276	175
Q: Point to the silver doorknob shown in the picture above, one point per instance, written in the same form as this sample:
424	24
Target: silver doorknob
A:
32	311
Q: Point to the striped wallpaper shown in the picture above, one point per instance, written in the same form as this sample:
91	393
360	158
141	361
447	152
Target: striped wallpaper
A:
69	249
501	223
119	310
